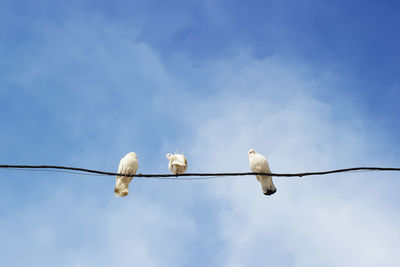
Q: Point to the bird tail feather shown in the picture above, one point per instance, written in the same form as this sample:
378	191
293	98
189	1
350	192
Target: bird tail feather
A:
122	186
267	185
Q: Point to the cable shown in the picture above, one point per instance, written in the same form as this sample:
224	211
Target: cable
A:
94	174
203	176
63	171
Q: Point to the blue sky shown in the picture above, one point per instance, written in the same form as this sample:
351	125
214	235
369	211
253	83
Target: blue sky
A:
310	85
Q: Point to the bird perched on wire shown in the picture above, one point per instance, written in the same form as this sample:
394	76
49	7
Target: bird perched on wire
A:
128	166
258	163
177	163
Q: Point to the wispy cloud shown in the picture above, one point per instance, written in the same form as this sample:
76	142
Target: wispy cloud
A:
333	220
101	92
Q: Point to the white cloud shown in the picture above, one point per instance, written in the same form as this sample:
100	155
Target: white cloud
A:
86	231
236	105
337	220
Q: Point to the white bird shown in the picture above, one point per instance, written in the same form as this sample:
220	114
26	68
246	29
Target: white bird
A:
177	163
258	163
128	166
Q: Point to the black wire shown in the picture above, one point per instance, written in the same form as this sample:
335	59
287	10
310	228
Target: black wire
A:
202	175
93	174
72	172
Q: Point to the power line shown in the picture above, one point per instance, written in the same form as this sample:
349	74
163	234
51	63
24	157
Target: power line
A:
201	176
61	171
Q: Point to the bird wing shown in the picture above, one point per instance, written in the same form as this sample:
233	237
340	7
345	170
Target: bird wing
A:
131	165
265	166
176	162
121	167
259	164
179	160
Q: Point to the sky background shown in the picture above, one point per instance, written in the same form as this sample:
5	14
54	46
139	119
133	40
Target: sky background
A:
312	85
